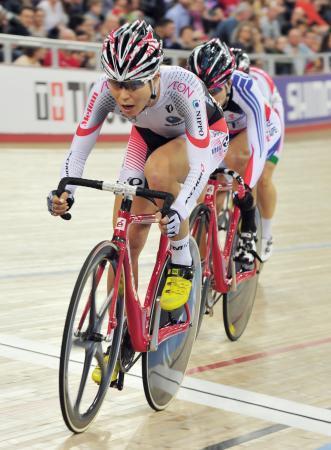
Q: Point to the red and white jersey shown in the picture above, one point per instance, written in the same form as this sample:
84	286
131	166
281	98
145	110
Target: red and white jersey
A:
183	109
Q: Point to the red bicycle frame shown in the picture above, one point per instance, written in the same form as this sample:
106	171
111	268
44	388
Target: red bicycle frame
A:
221	258
139	316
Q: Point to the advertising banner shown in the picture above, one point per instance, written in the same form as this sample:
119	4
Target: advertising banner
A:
307	99
48	101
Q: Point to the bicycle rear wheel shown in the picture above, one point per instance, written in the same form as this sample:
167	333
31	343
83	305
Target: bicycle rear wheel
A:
163	370
87	338
238	305
199	223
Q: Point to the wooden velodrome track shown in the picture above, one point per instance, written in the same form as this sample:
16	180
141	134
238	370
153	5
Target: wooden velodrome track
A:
269	390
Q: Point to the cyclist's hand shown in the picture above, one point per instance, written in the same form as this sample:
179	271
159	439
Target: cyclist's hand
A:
170	224
58	206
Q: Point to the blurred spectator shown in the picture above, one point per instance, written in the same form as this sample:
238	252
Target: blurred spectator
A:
248	38
165	29
297	18
282	67
32	56
311	13
13	6
120	8
135	12
74	7
187	38
4	20
269	24
224	30
38	29
296	47
324	9
154	10
67	58
180	15
88	26
326	42
110	23
94	12
228	6
326	45
313	41
54	13
198	12
22	23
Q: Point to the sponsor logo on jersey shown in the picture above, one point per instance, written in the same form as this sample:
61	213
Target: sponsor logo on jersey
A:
196	106
181	87
173	120
169	108
89	108
202	171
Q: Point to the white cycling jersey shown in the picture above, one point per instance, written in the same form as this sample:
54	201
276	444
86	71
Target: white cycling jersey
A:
247	109
270	92
184	109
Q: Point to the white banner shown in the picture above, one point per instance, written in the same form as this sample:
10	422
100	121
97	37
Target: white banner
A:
48	101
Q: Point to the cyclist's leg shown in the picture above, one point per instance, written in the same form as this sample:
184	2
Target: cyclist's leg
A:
238	159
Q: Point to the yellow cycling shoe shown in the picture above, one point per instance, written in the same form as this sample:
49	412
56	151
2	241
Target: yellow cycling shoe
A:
177	288
97	373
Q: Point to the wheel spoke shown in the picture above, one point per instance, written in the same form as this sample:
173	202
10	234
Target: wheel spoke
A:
89	353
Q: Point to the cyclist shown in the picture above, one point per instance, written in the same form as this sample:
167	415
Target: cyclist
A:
178	137
266	190
254	126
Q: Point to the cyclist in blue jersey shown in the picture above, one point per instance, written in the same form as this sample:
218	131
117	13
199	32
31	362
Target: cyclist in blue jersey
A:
254	127
266	190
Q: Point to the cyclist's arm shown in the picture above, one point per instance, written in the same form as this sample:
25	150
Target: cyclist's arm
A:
99	104
197	140
250	99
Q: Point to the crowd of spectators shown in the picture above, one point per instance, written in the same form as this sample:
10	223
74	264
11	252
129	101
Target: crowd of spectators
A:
286	27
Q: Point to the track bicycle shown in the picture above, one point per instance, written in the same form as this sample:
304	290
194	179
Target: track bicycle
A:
105	318
222	277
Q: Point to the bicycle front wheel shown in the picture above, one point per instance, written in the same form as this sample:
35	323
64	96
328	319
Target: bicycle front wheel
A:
87	338
163	370
238	305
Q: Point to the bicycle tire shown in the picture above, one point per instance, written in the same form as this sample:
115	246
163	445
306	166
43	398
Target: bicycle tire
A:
163	370
201	214
77	410
238	305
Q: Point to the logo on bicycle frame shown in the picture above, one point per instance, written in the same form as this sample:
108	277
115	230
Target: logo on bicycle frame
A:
120	224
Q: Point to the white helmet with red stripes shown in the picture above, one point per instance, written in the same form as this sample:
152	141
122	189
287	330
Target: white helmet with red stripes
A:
132	52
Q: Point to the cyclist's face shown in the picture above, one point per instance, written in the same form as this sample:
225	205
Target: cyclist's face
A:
221	94
131	96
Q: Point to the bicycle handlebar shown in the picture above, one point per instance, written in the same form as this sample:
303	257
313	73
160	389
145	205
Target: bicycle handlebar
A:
117	189
236	176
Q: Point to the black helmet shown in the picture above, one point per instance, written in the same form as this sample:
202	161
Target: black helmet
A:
213	62
242	59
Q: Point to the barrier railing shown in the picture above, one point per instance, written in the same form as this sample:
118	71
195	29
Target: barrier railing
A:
269	61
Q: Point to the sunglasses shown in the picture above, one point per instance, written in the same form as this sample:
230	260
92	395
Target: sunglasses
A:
216	90
129	85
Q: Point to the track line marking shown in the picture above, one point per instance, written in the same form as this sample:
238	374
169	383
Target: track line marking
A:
258	355
222	397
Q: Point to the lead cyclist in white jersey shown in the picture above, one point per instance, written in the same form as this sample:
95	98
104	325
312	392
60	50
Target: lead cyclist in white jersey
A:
266	190
254	126
178	137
